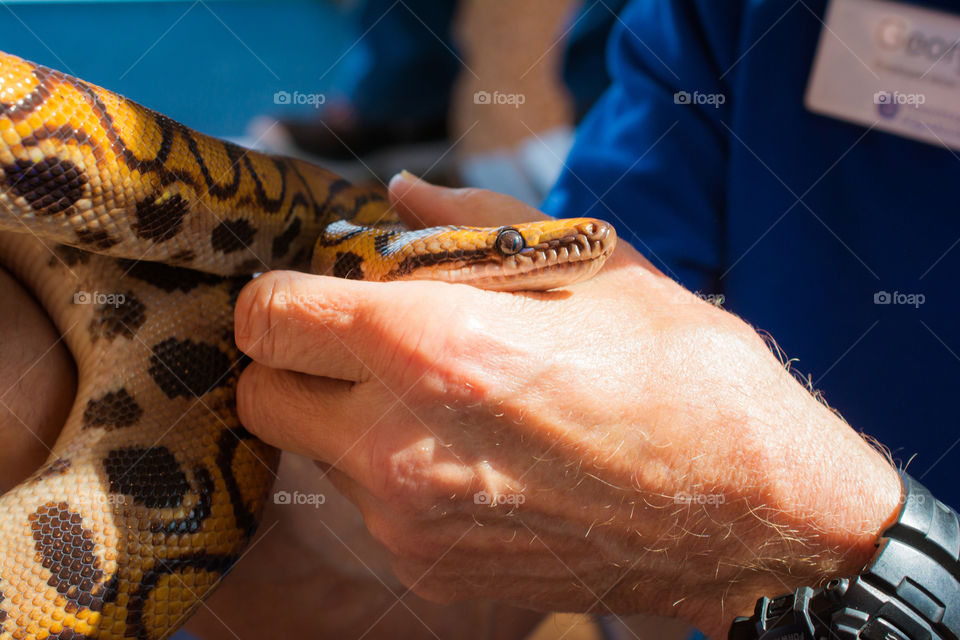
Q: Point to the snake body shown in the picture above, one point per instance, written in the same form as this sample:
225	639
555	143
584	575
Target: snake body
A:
136	234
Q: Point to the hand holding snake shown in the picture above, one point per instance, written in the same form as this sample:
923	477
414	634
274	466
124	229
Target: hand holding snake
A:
561	450
598	405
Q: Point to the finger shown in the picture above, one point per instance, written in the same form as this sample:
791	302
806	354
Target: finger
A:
315	417
421	204
336	328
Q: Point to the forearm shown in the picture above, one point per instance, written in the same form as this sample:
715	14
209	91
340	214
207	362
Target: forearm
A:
818	493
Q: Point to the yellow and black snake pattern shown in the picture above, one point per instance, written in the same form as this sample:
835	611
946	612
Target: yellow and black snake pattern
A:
136	234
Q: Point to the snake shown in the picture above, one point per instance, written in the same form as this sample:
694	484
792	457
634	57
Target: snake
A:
136	235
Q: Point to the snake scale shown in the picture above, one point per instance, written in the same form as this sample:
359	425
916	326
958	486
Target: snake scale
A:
136	235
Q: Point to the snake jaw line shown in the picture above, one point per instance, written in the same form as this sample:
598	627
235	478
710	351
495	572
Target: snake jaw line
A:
557	253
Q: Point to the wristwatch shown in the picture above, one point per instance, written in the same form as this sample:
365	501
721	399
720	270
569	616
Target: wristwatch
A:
910	590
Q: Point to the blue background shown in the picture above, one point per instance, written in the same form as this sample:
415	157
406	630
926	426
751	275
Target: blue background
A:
211	65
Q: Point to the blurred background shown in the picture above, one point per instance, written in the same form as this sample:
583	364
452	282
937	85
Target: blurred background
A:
212	65
468	92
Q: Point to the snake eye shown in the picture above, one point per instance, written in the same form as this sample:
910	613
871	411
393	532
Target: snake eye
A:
510	241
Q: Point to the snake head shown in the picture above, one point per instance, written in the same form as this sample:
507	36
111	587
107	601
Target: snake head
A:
538	256
533	256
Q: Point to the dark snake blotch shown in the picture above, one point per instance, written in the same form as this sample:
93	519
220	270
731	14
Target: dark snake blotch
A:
160	219
121	317
66	549
152	477
187	368
49	186
232	235
113	410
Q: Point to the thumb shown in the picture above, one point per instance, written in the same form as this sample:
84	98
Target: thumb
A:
421	204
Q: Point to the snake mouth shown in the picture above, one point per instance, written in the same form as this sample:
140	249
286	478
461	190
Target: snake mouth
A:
555	253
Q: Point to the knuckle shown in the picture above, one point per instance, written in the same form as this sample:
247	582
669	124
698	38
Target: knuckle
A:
255	316
271	405
251	388
404	475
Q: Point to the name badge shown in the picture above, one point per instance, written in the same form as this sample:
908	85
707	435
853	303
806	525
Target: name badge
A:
892	66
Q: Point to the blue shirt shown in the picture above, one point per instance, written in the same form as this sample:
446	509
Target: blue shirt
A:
799	220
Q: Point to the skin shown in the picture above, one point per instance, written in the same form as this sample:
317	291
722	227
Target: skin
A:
649	451
34	361
667	462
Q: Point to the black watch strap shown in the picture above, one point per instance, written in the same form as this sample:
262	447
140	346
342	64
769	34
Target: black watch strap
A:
909	591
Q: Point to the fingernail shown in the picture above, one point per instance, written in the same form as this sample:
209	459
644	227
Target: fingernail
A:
403	177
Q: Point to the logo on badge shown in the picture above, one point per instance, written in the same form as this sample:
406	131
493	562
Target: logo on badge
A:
891	33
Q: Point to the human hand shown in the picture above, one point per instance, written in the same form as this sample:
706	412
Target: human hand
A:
642	449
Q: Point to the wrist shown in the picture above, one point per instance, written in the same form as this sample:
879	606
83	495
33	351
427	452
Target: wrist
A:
818	495
843	497
828	496
909	588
